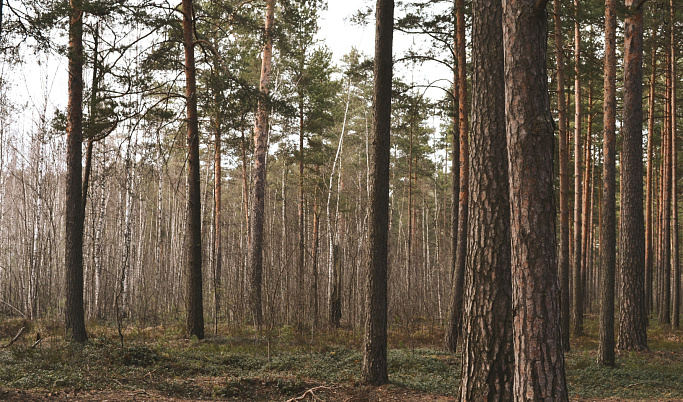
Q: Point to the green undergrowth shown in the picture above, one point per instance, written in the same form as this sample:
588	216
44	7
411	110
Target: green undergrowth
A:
281	363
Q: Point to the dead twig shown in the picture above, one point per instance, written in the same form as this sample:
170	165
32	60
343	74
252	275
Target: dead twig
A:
16	337
310	392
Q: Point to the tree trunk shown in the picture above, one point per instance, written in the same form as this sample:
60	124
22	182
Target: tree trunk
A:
587	223
487	357
577	301
73	255
564	178
259	185
217	225
676	296
649	188
454	325
301	292
633	317
334	284
608	230
539	361
665	261
375	344
195	309
314	258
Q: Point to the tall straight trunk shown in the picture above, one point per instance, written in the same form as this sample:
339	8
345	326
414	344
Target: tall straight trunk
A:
487	322
608	230
587	223
577	301
454	325
539	362
194	302
648	185
73	219
91	119
314	259
411	218
374	369
633	317
563	268
301	292
259	185
455	154
676	296
334	264
665	261
99	248
217	225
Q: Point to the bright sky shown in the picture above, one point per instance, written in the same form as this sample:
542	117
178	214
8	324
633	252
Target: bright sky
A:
35	82
339	34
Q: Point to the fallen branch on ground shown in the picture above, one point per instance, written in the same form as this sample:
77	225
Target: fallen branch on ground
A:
16	337
310	392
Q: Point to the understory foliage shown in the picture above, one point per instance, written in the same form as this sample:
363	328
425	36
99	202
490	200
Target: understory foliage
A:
160	362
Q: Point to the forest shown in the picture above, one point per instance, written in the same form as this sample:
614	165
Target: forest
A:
215	205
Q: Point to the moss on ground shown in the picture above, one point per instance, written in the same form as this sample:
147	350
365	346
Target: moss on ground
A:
237	365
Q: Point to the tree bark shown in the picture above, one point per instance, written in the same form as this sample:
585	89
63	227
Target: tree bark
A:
259	184
633	318
564	178
487	357
608	230
649	180
577	301
539	361
454	325
676	296
374	369
73	219
195	308
217	225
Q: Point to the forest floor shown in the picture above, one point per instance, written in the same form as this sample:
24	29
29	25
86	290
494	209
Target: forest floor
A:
158	363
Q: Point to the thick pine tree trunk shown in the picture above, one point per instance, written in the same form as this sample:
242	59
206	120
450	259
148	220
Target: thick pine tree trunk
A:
539	361
454	325
73	255
195	309
563	268
633	318
374	369
259	185
608	230
487	357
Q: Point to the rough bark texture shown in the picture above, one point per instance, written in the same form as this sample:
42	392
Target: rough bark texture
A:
563	267
608	229
539	362
259	184
455	322
633	319
73	219
487	358
375	343
577	299
195	309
